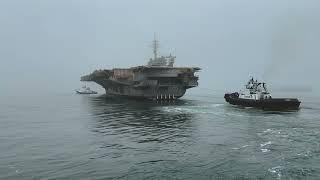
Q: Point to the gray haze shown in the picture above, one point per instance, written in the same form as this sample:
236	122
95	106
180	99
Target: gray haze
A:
46	45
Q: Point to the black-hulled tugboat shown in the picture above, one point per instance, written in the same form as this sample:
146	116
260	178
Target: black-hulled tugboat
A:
257	95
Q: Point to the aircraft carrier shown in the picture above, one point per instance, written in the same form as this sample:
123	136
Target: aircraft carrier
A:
158	80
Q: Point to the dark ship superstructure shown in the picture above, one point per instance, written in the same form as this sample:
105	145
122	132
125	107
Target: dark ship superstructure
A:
257	95
159	79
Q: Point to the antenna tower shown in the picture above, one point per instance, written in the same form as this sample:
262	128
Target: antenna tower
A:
155	46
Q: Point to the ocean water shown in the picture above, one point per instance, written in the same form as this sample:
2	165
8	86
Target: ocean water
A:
69	136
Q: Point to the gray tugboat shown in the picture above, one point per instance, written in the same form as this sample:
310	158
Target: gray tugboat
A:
85	90
257	95
158	80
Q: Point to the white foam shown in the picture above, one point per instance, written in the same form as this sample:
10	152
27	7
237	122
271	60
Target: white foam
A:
265	144
305	154
217	105
276	170
267	130
265	150
191	109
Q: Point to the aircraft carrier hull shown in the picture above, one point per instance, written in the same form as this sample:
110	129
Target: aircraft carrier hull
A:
158	80
158	83
152	92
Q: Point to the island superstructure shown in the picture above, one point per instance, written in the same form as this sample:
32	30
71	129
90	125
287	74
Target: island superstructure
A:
159	79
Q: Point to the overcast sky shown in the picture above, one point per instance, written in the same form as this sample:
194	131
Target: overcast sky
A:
46	45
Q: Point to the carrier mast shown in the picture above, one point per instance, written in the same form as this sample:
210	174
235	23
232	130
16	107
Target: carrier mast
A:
155	46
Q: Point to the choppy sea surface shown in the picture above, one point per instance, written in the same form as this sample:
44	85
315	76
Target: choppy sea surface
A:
69	136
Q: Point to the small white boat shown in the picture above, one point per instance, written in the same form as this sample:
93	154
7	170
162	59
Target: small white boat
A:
85	90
